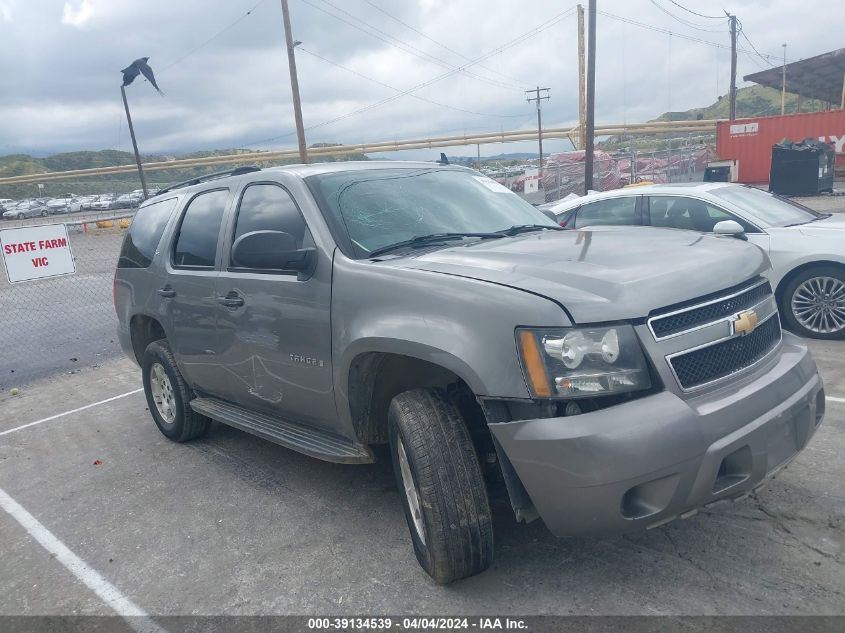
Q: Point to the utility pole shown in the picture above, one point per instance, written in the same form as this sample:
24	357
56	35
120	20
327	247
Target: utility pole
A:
783	84
582	97
294	84
538	99
590	123
733	66
134	143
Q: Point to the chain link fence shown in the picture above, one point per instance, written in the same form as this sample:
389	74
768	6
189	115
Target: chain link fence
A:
66	323
563	174
62	324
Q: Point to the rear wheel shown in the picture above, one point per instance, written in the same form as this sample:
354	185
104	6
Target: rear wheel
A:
441	484
21	216
814	303
169	397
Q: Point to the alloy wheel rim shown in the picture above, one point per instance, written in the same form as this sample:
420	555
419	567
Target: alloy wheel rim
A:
818	304
162	392
411	493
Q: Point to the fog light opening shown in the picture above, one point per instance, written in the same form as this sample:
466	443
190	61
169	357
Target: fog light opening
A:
645	500
734	469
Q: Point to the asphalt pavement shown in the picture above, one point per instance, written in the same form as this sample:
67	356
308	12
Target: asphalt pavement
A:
231	524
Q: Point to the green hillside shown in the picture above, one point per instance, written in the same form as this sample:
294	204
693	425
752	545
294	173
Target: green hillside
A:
22	164
751	101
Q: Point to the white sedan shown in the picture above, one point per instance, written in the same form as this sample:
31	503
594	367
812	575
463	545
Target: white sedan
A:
807	248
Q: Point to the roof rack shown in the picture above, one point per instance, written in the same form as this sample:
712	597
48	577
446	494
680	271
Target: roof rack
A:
247	169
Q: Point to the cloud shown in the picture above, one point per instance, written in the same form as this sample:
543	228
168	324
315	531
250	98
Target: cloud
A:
5	11
78	16
226	78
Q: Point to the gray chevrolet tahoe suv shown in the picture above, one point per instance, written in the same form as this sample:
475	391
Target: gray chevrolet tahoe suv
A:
604	380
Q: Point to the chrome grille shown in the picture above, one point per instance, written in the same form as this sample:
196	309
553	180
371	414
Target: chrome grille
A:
719	360
685	319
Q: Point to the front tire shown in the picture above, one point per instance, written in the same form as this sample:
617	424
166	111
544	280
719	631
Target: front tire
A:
441	484
813	303
168	395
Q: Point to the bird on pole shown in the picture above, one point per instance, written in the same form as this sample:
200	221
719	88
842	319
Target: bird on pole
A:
139	67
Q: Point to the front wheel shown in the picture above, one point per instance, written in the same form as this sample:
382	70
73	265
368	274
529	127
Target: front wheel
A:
442	488
813	303
168	395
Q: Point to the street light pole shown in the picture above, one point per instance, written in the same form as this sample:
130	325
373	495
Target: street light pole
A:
294	84
134	142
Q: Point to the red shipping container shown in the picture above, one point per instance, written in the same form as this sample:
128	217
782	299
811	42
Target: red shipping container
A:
750	140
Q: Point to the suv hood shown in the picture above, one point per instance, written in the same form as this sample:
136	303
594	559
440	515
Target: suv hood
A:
603	274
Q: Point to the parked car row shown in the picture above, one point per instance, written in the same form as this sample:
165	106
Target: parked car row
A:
69	203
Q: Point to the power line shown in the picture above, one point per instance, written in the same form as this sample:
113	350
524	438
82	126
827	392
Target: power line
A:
683	36
395	89
751	44
683	21
517	40
213	37
408	48
431	39
701	15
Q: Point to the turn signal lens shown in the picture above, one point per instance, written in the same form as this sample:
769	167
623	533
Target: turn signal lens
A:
534	365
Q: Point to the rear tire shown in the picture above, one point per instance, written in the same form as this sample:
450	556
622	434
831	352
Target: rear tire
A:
168	395
441	484
821	286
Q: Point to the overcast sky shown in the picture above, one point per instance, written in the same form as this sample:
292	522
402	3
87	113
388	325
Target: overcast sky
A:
225	78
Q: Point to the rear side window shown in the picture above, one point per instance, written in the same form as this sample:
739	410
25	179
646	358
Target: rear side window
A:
267	207
613	211
196	243
140	243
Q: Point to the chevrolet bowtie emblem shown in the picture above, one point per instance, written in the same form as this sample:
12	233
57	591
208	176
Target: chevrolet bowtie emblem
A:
745	322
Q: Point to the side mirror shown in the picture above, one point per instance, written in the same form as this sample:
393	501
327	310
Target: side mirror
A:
731	228
271	250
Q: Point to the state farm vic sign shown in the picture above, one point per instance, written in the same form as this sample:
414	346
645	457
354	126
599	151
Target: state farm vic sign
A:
36	252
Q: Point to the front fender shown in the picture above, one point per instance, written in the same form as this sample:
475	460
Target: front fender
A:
463	325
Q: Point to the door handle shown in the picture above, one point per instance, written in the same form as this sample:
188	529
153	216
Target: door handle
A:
231	301
166	292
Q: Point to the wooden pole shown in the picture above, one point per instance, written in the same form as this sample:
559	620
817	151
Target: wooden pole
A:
134	143
783	84
732	114
582	98
294	85
590	121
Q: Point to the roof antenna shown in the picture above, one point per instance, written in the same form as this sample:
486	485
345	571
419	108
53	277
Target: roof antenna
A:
443	159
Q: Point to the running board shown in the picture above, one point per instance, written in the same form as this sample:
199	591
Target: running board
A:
307	440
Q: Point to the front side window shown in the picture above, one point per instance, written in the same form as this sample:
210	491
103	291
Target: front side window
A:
141	241
379	207
680	212
196	242
613	211
267	207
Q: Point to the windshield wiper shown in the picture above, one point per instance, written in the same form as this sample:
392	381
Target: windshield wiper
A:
525	228
428	239
820	216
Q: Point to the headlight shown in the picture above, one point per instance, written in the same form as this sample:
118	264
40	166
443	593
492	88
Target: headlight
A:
582	362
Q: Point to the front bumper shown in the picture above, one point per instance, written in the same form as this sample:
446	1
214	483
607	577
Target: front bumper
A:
648	461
